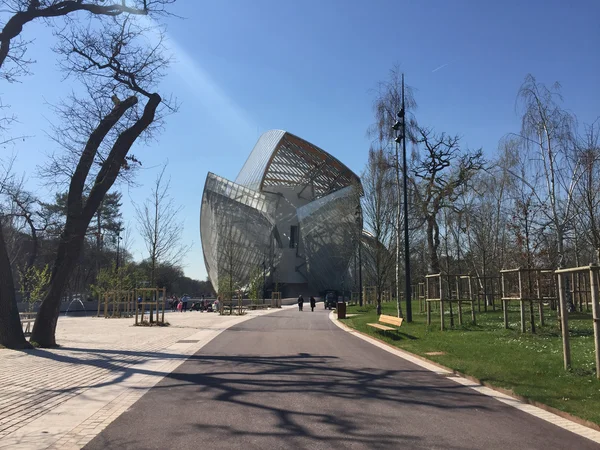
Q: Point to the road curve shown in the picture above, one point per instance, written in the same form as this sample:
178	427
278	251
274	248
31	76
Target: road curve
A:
294	380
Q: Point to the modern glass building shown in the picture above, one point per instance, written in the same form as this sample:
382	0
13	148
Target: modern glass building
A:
291	218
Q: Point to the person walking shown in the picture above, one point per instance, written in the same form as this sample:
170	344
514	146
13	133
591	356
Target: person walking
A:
313	303
300	302
184	302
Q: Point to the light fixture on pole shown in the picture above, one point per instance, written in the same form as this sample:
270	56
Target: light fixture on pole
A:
407	286
118	248
400	126
359	228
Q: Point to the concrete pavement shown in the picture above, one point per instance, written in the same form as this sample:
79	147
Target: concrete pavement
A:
63	397
295	380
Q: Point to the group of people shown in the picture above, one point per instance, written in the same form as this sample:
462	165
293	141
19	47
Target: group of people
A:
181	305
313	303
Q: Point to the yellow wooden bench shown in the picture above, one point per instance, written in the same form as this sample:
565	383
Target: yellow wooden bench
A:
390	320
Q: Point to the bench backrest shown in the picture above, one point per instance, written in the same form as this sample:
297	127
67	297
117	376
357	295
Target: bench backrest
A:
27	315
391	320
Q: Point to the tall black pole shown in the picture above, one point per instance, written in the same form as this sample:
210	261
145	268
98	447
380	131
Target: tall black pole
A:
406	242
360	287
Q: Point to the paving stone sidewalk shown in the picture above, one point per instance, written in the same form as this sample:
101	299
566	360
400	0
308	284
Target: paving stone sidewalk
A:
62	398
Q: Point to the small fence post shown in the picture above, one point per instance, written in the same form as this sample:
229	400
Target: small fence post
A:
522	303
441	303
135	305
473	300
564	321
494	285
427	302
595	314
504	303
540	297
458	298
164	292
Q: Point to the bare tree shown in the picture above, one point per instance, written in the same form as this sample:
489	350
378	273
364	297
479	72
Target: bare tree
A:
233	274
160	227
11	332
378	214
441	174
18	13
547	130
588	189
114	59
485	227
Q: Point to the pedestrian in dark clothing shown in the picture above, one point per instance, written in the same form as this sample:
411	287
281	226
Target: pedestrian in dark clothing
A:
313	303
300	302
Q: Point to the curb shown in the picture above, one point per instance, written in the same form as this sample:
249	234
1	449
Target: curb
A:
506	392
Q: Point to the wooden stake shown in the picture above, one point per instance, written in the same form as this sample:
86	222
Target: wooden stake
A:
428	307
564	322
523	329
441	304
473	301
595	314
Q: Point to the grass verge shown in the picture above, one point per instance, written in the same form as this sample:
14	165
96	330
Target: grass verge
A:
528	365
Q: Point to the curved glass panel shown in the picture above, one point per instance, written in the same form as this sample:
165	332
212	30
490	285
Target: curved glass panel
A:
329	227
237	232
253	170
297	162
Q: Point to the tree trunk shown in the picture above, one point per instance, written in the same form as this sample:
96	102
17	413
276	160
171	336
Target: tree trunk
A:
11	331
432	245
67	255
79	216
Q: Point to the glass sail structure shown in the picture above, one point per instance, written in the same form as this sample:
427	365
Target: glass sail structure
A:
289	217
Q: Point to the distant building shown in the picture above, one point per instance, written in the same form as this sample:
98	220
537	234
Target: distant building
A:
292	216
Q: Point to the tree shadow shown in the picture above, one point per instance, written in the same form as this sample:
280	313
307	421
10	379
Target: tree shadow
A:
299	400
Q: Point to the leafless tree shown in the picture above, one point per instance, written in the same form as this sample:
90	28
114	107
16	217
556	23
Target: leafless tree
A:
485	226
547	131
160	227
16	14
442	171
11	332
232	273
117	59
588	189
378	206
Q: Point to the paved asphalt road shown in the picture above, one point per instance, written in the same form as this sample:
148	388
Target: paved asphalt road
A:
294	380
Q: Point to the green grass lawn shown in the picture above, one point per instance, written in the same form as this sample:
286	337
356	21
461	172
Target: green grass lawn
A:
529	365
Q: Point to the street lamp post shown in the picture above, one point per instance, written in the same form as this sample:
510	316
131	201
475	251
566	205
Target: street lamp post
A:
359	225
118	249
401	125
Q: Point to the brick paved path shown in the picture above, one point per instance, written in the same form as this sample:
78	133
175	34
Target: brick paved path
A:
62	398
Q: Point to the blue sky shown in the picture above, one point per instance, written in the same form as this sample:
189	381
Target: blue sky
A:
244	67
